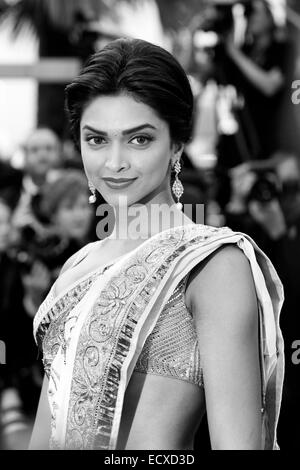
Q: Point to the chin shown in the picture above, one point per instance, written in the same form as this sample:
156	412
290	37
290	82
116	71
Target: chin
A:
128	200
131	197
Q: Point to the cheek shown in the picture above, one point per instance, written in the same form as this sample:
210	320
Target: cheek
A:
155	161
91	160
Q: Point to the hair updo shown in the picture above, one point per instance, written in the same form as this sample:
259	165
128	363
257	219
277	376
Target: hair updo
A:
147	72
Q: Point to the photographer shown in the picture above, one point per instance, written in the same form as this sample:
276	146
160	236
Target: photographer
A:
42	157
68	226
42	153
249	81
265	203
258	71
254	206
216	130
19	389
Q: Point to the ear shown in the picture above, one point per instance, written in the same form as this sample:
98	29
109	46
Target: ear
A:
177	148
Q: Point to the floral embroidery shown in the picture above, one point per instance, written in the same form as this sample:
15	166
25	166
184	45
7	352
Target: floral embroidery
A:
106	336
121	304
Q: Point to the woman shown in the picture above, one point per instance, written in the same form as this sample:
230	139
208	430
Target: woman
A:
259	72
178	311
64	206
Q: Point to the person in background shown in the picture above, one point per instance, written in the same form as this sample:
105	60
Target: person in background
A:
254	194
10	183
42	152
42	160
286	258
19	388
266	205
65	203
259	72
70	225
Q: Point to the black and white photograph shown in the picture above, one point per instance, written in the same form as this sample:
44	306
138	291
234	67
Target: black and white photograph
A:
149	227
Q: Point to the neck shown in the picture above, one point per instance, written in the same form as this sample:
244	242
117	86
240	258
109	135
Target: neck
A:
146	218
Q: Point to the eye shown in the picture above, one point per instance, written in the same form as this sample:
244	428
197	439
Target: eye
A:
141	140
95	140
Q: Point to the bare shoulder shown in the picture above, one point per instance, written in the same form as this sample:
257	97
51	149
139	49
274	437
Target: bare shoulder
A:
222	287
229	260
225	312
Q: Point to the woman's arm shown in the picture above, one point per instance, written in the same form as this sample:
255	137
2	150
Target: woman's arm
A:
41	430
268	82
223	300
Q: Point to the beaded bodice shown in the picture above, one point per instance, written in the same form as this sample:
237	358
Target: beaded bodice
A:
171	350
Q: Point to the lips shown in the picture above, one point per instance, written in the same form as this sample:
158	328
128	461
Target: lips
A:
119	180
119	183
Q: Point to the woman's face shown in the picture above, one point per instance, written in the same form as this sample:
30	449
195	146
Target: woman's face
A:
123	138
5	226
74	217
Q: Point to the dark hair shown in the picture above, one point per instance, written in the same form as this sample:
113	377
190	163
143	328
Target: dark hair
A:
147	72
66	188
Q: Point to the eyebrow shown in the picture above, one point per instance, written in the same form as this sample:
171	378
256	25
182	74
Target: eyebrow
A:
126	132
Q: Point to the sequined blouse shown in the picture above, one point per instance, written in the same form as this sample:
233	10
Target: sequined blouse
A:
171	350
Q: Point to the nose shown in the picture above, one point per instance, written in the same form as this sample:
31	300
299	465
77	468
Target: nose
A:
115	161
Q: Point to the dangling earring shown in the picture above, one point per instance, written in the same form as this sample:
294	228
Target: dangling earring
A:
177	186
92	198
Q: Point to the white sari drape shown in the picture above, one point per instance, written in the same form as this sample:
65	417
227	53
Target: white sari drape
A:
104	333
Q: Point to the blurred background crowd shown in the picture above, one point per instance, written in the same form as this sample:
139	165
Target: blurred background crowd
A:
243	163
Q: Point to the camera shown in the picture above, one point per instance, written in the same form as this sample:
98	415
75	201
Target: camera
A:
217	21
266	187
209	38
33	247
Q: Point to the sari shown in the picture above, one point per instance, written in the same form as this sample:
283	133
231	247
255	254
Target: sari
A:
93	333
